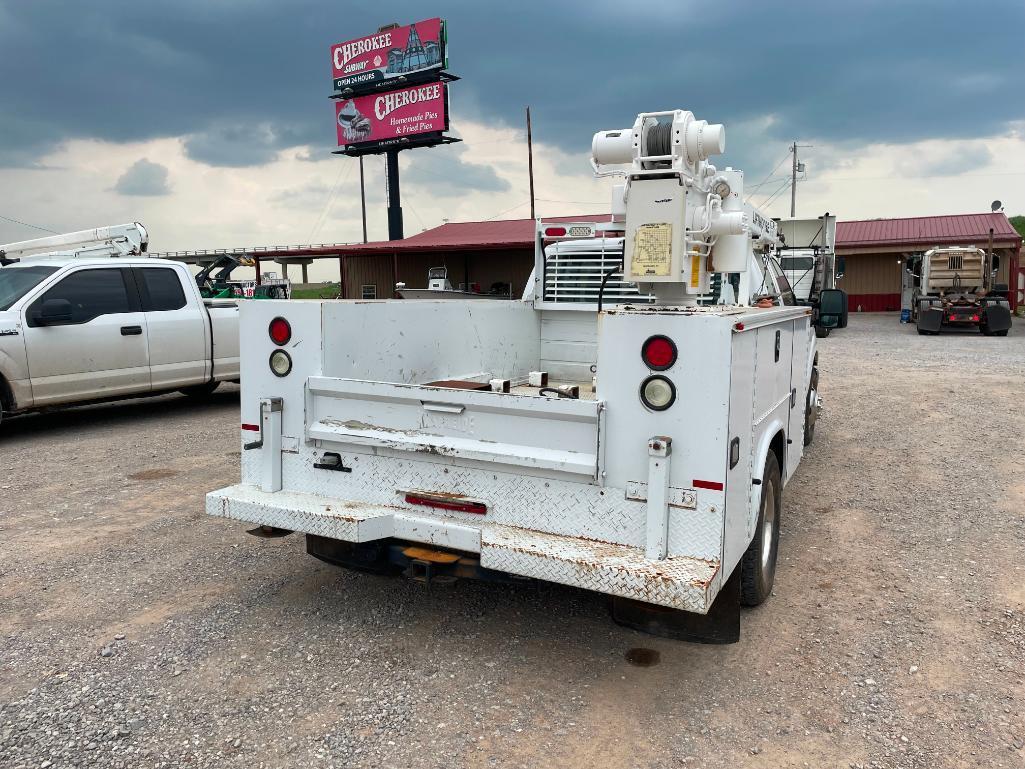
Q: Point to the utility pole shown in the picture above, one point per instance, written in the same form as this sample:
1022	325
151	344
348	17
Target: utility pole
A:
794	170
530	165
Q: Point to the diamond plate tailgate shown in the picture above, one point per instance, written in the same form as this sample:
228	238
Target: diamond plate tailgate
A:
678	582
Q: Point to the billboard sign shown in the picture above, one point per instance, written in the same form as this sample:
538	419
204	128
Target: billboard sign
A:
399	52
386	118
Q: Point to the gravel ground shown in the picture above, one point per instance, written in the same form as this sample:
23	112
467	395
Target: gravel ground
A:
136	632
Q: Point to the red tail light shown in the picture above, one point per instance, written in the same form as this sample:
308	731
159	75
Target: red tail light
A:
658	352
953	318
975	318
280	331
444	502
711	485
555	232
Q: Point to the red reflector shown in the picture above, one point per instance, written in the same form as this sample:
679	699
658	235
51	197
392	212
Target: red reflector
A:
251	428
280	331
739	326
975	318
711	485
555	232
658	352
447	503
953	317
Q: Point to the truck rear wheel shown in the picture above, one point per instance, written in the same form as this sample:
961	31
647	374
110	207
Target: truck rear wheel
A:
811	410
758	566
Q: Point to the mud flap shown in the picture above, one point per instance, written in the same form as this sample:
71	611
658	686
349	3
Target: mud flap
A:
720	626
370	557
930	319
996	317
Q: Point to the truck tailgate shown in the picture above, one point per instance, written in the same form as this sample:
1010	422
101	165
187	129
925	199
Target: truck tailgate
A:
547	434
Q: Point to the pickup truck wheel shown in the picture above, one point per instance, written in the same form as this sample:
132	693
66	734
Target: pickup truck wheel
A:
821	332
200	391
758	566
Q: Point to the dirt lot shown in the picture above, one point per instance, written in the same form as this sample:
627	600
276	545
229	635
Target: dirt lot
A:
136	632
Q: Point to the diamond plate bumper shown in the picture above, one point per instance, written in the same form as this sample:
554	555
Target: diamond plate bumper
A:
677	582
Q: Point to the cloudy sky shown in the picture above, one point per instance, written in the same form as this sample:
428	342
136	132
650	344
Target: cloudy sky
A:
210	122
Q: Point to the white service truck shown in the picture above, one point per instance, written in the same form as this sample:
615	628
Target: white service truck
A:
87	316
607	432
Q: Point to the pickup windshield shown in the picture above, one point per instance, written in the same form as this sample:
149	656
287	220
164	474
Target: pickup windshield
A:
15	282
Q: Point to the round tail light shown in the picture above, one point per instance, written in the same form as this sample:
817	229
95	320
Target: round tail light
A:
280	363
658	393
658	352
280	331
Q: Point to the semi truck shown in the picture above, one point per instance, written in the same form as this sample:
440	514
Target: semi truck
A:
611	431
956	290
88	316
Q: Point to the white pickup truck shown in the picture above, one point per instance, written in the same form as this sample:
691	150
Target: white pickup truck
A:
102	321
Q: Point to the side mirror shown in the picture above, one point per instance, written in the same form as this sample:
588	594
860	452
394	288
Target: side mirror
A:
54	312
832	309
841	266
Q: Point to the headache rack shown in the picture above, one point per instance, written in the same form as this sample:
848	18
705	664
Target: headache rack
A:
574	270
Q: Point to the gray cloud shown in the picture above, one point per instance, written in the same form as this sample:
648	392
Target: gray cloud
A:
243	80
442	171
143	178
951	163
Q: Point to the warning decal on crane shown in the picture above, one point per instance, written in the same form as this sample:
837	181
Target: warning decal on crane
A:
653	249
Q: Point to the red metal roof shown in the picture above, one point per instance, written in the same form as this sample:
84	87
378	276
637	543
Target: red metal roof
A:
453	236
958	229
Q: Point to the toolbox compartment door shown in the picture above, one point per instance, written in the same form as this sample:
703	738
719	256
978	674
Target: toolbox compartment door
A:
559	435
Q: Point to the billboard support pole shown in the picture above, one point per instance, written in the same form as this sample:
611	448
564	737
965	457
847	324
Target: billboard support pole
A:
363	198
394	200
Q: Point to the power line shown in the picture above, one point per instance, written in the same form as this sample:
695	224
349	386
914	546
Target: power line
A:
769	176
786	185
770	195
26	224
500	213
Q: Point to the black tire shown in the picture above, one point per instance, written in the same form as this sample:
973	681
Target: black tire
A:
821	332
922	332
1001	332
758	566
810	399
200	391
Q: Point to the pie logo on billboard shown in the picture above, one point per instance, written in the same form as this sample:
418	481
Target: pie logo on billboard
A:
388	116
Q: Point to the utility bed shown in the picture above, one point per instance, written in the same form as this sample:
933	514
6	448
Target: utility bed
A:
562	482
616	430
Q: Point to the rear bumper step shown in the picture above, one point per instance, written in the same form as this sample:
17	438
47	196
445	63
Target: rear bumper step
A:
678	582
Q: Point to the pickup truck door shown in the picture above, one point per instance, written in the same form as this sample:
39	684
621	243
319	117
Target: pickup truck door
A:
101	352
179	352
